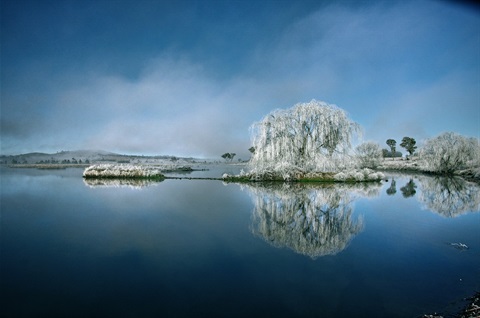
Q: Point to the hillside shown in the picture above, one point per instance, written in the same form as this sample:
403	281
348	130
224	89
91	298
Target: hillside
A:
87	157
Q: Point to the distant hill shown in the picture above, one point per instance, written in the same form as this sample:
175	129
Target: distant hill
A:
86	156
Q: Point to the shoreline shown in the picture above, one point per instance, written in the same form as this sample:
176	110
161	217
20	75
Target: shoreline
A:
471	310
399	166
48	165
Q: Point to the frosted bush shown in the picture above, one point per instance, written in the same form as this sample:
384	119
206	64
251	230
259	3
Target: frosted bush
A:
121	171
376	176
369	155
358	176
450	152
367	171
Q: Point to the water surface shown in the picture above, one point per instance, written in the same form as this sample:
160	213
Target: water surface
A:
200	248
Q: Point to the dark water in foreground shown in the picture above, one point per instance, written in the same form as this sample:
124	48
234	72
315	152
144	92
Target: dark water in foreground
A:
198	248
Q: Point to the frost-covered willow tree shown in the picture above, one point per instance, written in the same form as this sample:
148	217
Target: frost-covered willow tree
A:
308	137
450	152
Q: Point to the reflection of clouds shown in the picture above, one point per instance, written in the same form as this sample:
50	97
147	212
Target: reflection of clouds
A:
449	197
311	220
119	183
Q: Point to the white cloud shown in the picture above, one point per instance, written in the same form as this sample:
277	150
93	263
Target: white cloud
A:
386	64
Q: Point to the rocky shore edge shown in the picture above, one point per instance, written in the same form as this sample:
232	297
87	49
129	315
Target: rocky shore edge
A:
472	310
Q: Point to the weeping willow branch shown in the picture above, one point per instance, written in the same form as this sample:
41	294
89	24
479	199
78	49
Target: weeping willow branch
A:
308	137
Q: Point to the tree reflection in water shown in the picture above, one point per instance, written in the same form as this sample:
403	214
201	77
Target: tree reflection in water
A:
313	220
409	189
393	187
449	197
119	183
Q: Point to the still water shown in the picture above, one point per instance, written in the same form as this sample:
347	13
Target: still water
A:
201	248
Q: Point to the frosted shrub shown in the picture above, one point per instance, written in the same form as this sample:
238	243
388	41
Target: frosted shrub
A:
341	176
367	171
121	171
450	152
308	137
368	155
359	175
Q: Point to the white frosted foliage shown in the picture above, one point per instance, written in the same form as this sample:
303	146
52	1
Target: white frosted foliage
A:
121	171
313	136
450	152
359	175
369	155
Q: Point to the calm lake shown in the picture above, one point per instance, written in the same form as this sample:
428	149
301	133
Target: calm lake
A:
199	248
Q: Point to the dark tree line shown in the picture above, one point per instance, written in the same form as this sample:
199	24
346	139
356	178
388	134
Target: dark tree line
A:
407	142
228	156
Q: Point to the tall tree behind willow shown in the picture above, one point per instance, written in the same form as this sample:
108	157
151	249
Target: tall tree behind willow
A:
391	143
409	144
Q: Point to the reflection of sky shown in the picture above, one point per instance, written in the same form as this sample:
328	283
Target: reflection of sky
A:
188	78
107	212
401	229
186	246
415	227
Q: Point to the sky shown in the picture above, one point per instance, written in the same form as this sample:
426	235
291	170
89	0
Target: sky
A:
188	78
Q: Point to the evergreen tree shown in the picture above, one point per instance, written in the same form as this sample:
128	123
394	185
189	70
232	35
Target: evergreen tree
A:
391	143
409	145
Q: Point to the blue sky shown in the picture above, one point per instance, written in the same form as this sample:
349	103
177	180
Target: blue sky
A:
188	78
